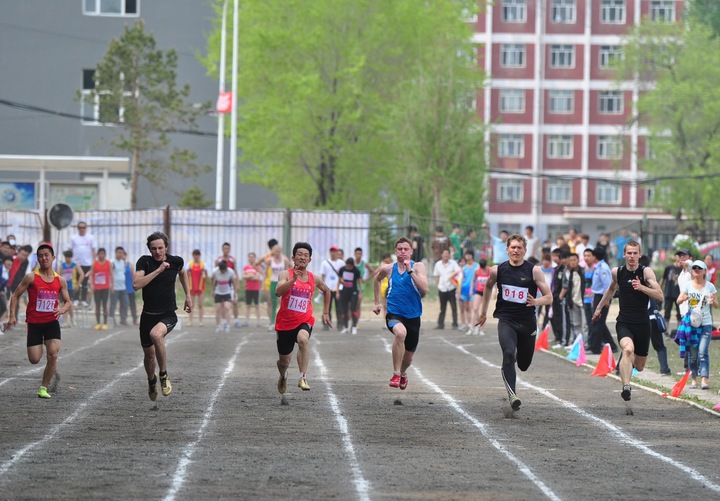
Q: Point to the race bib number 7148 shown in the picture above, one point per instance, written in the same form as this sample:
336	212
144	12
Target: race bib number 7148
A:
515	294
297	303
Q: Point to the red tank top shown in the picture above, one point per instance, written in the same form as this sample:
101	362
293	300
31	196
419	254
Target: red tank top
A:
42	299
101	275
197	280
296	306
481	279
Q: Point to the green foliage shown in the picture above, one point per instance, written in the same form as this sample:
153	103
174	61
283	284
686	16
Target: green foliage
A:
706	12
682	113
136	86
194	198
320	87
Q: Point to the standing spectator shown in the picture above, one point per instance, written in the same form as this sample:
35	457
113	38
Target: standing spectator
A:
572	240
456	241
231	264
440	242
73	275
582	247
558	319
119	292
330	274
480	282
350	279
499	245
224	283
656	335
468	245
102	283
602	278
129	277
588	295
5	266
604	244
365	271
670	287
547	266
419	249
710	263
84	248
445	272
619	246
276	262
252	274
532	242
197	273
572	294
467	291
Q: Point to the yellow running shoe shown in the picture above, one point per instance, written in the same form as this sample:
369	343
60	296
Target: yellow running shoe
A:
98	326
303	384
43	393
282	384
104	327
165	385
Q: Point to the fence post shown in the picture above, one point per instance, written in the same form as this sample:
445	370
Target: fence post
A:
287	231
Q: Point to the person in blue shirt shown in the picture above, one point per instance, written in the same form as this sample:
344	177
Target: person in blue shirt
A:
619	244
467	291
602	278
499	245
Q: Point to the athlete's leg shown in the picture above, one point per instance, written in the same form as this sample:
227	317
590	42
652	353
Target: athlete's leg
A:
628	359
355	309
525	350
35	353
398	347
157	335
52	347
226	311
149	361
508	339
303	354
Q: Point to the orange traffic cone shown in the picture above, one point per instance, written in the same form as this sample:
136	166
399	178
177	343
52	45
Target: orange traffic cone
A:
678	388
541	343
605	364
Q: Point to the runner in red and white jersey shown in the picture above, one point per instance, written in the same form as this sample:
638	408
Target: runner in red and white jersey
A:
231	263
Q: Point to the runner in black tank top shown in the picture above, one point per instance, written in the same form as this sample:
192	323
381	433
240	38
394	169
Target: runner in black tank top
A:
518	282
635	284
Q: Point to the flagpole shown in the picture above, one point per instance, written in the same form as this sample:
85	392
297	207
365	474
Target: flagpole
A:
232	204
219	169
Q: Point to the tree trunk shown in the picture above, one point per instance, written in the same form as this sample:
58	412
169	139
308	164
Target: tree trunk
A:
435	214
134	179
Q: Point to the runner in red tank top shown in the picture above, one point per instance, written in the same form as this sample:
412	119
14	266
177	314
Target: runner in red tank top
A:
102	284
44	287
294	321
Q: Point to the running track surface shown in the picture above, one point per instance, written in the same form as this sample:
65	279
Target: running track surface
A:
223	432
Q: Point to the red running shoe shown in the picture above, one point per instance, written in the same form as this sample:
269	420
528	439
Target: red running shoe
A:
395	380
403	382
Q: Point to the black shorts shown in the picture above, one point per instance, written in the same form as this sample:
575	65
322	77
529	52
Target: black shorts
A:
148	321
412	326
252	297
639	333
222	298
286	340
39	333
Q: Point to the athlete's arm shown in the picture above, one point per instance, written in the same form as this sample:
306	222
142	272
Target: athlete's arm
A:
382	272
67	304
546	295
489	285
652	288
419	276
182	275
284	283
607	297
322	287
90	275
24	284
141	280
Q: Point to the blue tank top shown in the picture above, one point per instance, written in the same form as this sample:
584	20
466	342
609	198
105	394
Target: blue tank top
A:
403	297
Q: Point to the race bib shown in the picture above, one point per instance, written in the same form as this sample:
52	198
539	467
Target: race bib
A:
515	294
46	301
299	304
100	279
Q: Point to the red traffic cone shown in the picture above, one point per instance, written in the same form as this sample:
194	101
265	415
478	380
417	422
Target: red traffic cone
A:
680	385
541	343
605	364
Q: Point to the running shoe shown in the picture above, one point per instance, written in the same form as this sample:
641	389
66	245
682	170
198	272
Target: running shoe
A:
625	394
344	330
227	328
43	393
303	384
244	324
98	327
395	381
354	330
403	382
236	324
282	385
152	389
165	385
515	402
218	328
104	327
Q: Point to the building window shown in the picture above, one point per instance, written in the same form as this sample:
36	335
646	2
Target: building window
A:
609	148
563	11
514	11
512	101
92	108
609	54
560	146
662	11
607	193
512	55
612	12
611	102
511	146
559	191
510	190
129	8
561	101
562	56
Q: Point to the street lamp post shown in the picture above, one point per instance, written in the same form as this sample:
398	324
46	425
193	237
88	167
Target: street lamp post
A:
219	169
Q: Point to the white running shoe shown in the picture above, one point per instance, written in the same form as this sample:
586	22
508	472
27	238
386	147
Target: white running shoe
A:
354	330
218	328
344	330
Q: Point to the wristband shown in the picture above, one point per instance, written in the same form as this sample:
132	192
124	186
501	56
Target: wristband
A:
410	271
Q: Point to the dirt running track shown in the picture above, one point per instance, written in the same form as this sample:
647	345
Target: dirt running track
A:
223	434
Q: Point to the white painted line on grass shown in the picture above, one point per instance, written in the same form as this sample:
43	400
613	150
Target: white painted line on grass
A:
617	432
362	486
180	475
485	431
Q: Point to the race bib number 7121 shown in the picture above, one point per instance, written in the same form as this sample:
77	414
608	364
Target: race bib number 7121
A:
515	294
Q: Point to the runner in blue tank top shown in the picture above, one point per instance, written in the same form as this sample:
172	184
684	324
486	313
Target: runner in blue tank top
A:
407	285
518	282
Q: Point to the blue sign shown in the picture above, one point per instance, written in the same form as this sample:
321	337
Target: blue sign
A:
17	196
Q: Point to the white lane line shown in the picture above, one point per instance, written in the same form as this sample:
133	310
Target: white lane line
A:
486	432
17	456
617	432
181	472
362	486
41	367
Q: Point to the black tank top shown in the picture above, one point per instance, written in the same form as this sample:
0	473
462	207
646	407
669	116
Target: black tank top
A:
633	303
514	284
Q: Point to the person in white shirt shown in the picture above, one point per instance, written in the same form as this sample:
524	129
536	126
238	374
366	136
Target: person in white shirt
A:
445	271
329	270
119	292
224	281
84	249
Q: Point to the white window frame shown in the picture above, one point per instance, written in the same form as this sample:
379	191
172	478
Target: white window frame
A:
613	11
659	10
562	56
609	148
608	54
559	191
90	106
510	190
512	55
563	12
607	193
97	9
558	99
514	11
511	146
560	146
512	100
611	102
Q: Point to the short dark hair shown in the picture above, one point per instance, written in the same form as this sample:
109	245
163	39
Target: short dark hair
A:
43	247
439	228
118	248
358	249
226	243
68	253
272	243
196	252
102	249
599	253
26	248
222	264
158	235
470	253
350	261
302	245
530	227
403	240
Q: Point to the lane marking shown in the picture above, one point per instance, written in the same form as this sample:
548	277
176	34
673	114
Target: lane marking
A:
614	430
181	472
485	431
362	486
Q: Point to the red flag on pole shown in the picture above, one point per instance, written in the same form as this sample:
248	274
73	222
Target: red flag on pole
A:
224	102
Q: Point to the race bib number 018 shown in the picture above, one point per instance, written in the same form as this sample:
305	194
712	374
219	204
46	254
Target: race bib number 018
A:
515	294
299	304
46	301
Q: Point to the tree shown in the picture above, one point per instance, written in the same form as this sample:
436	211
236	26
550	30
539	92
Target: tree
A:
705	11
137	94
194	198
678	68
319	87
